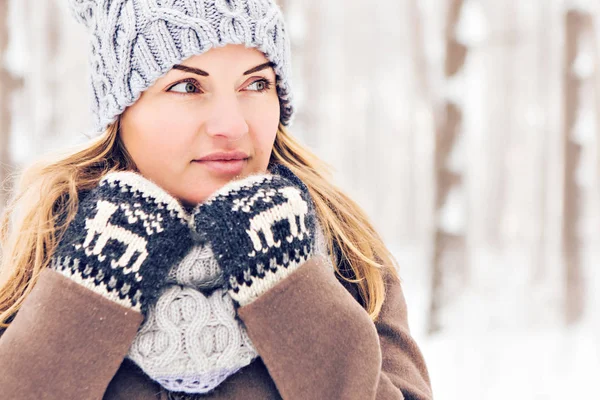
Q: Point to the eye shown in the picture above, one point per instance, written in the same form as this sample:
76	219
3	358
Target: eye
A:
260	85
185	87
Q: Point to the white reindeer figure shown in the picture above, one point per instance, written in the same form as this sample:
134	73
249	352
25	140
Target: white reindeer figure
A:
264	221
99	225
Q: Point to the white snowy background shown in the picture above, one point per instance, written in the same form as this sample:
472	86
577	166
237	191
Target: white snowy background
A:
495	220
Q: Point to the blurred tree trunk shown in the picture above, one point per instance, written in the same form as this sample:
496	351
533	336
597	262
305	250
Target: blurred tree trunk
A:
577	26
449	247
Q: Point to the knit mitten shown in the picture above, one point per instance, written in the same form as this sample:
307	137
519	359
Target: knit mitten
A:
126	235
260	229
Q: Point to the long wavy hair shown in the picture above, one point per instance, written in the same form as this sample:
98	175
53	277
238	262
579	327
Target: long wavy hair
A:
46	200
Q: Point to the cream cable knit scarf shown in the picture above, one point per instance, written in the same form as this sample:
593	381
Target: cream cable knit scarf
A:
191	340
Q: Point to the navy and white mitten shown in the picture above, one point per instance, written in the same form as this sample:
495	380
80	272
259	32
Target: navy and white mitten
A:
260	229
126	235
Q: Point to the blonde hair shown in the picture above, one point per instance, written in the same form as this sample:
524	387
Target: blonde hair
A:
47	197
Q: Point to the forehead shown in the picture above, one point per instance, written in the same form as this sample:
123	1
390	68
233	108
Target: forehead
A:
229	58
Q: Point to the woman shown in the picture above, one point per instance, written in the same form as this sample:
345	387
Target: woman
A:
194	249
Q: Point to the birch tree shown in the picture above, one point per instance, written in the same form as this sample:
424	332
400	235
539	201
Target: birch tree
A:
579	26
449	243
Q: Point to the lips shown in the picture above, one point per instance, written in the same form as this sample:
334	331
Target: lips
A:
224	156
224	163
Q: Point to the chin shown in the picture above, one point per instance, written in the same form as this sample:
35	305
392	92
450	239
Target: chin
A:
191	201
210	187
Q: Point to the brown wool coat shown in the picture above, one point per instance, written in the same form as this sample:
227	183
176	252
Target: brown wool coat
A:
314	340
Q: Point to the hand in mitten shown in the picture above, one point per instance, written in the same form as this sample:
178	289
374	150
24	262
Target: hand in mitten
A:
126	235
260	229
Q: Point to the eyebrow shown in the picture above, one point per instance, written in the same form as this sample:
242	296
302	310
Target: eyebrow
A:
200	72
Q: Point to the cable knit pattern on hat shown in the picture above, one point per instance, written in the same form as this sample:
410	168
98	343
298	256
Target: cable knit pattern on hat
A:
135	42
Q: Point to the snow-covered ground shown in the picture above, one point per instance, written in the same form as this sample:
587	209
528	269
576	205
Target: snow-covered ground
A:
487	351
551	364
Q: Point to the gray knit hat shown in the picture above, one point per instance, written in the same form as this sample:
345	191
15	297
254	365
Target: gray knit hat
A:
135	42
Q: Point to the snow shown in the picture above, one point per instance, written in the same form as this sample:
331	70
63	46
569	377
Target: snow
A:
491	352
584	66
452	215
547	364
473	27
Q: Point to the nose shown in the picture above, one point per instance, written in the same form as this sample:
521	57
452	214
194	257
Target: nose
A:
226	119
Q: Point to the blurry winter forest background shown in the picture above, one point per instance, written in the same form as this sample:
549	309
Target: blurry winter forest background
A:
468	130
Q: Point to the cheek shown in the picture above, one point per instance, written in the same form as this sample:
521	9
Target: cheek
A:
156	137
264	137
159	143
264	125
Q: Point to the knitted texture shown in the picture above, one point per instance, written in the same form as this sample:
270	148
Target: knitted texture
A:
198	269
191	340
260	228
125	232
135	42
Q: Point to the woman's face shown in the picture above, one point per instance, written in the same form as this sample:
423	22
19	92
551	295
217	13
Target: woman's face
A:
209	120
